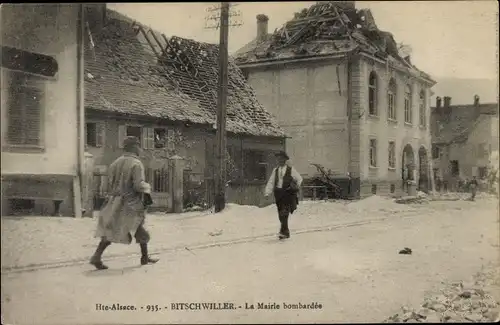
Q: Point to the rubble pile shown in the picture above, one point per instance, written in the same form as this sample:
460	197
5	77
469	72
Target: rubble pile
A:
420	198
458	302
329	27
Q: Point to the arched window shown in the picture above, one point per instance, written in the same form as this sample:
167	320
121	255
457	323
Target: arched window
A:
408	108
372	94
421	108
391	100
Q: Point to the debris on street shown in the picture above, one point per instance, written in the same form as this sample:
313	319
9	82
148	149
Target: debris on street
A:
215	233
457	302
412	200
406	251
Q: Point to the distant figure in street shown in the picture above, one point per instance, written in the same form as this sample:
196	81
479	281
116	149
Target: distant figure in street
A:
439	183
473	188
124	211
284	182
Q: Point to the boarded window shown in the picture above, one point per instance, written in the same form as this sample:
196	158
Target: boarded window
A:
25	104
373	153
372	94
94	134
482	150
255	165
392	154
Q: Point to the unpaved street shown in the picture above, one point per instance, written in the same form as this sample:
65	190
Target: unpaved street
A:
355	273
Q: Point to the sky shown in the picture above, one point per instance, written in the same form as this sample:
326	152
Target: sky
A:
452	39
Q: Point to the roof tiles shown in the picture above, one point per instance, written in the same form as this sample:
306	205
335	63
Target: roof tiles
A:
124	75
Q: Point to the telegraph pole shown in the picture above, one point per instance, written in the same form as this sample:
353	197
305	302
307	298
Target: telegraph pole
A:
221	136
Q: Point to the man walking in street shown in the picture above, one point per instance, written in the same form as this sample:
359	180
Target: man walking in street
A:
124	211
284	182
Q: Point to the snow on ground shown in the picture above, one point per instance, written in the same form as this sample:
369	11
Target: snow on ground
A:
38	240
356	273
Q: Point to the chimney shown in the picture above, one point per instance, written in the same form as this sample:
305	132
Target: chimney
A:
447	105
262	27
438	104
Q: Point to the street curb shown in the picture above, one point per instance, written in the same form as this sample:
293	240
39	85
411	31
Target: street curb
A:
190	248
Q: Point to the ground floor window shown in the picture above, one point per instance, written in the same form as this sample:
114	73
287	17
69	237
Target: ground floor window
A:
254	165
482	172
454	168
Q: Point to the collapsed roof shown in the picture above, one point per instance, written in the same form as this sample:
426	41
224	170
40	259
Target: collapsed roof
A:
326	28
131	69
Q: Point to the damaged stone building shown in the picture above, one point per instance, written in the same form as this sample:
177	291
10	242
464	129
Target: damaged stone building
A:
349	98
138	82
464	138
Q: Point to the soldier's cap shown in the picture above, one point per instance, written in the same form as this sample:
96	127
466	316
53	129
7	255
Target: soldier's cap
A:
282	154
131	142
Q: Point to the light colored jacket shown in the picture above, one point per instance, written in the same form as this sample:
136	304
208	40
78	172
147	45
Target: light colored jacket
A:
123	211
270	183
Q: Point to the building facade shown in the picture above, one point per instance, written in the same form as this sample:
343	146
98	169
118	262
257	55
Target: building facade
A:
41	111
464	139
349	101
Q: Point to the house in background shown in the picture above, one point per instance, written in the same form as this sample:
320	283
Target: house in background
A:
348	97
164	91
464	137
41	108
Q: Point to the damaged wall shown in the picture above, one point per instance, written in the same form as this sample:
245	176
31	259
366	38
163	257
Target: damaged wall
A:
310	103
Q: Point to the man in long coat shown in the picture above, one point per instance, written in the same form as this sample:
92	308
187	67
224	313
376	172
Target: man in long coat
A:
284	182
124	211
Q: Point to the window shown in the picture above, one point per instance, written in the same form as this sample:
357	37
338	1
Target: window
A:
435	152
392	154
455	171
372	94
482	172
373	153
160	137
421	108
94	134
25	104
374	189
391	100
408	108
255	166
134	131
150	138
393	188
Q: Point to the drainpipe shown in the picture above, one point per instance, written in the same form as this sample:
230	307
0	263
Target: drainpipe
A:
80	117
349	119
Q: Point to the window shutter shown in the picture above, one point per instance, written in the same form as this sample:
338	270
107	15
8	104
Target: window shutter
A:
122	133
170	140
100	134
150	139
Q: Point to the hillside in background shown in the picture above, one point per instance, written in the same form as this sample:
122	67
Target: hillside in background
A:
462	91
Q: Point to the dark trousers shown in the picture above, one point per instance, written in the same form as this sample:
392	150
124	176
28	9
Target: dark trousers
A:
283	203
142	237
